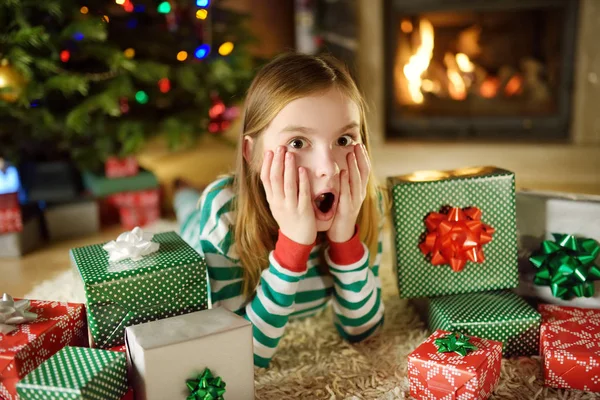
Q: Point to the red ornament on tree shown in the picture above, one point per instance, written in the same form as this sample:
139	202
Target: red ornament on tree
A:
220	116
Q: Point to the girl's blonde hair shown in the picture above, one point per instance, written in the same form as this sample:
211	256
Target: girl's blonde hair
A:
284	79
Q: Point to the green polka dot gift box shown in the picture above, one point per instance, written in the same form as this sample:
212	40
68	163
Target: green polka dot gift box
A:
167	282
77	373
454	231
497	315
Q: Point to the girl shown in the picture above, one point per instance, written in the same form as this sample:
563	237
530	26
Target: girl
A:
299	222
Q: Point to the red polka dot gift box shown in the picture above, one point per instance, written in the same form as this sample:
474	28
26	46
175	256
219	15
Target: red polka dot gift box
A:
453	366
52	326
570	347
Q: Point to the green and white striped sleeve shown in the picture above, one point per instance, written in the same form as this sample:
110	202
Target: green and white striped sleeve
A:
269	308
357	300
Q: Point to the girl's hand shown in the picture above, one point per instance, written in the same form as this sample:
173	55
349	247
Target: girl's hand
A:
353	190
288	194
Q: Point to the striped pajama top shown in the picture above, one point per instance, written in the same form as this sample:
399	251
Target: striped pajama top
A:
284	291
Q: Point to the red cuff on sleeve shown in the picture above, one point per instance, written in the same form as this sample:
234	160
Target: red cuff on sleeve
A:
347	253
291	255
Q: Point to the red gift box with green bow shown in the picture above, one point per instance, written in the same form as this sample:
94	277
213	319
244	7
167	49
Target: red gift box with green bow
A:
454	366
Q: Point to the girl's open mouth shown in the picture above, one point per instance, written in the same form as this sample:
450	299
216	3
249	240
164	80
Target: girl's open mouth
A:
324	205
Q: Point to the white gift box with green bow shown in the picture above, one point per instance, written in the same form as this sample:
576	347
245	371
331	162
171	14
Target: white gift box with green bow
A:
165	354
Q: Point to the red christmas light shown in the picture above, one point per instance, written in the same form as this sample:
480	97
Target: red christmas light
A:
128	6
164	85
65	55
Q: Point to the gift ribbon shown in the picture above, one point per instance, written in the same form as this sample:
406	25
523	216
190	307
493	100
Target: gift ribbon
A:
135	245
14	313
206	387
450	343
567	266
456	237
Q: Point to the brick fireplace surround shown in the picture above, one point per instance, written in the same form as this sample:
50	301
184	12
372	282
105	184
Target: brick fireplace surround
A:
573	165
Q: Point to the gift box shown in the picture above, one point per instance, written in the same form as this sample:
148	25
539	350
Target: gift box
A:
454	231
498	315
539	216
168	354
141	198
72	219
449	375
570	347
138	216
77	373
120	293
57	325
116	167
11	219
9	179
52	181
17	244
101	186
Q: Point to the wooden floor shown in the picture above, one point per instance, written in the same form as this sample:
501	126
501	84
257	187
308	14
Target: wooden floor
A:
18	276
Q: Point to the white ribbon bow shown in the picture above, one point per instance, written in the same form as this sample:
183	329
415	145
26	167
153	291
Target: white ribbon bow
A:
12	313
135	245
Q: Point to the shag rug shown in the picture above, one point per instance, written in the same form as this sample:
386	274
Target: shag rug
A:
313	362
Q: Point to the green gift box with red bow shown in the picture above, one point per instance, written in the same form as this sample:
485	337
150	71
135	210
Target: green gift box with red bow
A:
454	231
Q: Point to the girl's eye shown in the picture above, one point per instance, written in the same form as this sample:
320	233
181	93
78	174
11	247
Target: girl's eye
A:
297	143
345	140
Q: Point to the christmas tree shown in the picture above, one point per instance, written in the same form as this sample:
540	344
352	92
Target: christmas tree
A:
89	79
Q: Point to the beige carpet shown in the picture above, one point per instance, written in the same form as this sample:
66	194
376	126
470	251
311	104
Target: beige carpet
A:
312	361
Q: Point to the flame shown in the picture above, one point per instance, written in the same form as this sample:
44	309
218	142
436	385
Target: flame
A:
456	87
513	86
489	87
464	63
419	62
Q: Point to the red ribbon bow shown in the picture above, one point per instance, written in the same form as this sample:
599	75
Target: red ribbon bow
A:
456	237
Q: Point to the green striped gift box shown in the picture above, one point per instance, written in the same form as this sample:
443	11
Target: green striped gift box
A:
77	373
498	315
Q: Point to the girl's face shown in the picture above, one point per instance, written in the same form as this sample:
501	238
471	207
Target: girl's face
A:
320	130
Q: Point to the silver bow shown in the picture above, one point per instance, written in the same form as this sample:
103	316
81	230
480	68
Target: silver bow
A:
135	245
13	313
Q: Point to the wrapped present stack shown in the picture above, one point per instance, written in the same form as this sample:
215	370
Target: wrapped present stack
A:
455	240
146	301
20	230
126	193
33	331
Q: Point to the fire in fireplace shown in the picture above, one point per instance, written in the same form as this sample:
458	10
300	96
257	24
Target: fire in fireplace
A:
502	71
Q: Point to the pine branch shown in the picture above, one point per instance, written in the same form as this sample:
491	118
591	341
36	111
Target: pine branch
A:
69	84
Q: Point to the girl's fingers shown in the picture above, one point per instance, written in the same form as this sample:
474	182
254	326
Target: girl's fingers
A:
265	171
304	200
364	164
353	176
344	189
290	180
276	174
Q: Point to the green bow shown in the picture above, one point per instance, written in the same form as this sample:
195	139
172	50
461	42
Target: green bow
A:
206	387
567	266
450	343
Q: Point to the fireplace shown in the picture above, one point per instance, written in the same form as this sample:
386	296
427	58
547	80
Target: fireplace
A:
487	69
